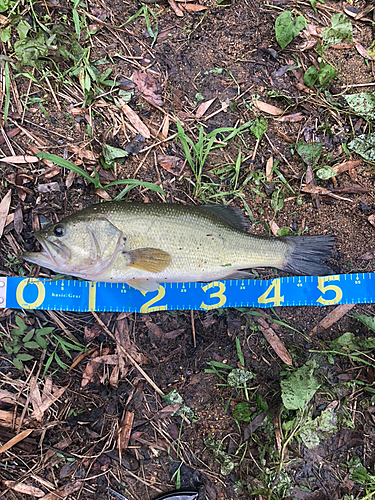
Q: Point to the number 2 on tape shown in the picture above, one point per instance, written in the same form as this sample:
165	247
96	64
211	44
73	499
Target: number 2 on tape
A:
276	299
146	306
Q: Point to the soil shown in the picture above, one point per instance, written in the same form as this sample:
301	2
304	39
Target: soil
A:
75	443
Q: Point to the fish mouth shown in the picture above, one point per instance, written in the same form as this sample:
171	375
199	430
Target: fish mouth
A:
52	256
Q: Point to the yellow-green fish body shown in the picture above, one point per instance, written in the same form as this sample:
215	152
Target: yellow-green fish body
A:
147	244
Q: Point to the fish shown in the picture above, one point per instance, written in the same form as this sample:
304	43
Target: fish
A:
145	245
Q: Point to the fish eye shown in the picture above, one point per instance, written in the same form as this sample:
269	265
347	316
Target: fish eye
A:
58	231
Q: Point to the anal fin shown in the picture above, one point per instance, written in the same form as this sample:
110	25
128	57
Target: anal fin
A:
144	285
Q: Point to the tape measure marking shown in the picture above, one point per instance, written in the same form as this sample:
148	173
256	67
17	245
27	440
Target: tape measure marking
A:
73	295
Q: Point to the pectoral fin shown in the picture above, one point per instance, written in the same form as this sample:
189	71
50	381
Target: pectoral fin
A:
144	285
152	260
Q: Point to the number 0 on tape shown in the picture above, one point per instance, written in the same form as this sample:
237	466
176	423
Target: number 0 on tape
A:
72	295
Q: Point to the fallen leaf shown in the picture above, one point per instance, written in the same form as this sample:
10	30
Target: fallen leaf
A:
203	107
269	165
4	209
50	187
20	159
268	108
167	411
347	165
295	117
83	154
103	194
371	219
174	333
176	9
149	88
172	164
274	342
24	488
18	220
194	7
134	119
274	227
363	52
309	188
331	318
16	439
41	403
64	491
11	133
165	128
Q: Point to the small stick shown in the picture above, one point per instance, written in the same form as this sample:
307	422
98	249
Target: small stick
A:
127	355
193	327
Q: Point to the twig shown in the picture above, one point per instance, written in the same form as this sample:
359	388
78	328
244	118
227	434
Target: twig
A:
127	355
193	327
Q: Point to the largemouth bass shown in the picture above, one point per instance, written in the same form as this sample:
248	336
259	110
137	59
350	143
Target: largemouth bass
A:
148	244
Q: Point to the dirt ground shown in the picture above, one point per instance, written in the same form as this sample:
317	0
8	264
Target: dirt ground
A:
109	433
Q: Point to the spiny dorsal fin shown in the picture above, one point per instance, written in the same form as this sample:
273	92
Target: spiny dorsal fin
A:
232	215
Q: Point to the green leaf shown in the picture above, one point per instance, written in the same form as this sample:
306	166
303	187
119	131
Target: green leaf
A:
20	323
23	28
24	357
29	50
277	199
259	127
5	34
311	76
31	345
341	30
59	362
363	104
309	152
71	166
325	173
28	336
17	363
46	330
239	352
76	23
313	431
41	342
111	154
366	320
325	75
242	412
287	28
238	378
364	145
299	387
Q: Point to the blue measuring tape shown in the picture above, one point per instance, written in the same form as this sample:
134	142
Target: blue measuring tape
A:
80	296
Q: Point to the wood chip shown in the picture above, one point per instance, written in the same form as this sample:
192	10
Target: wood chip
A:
268	108
269	166
124	432
20	159
16	439
371	219
18	220
176	9
332	317
295	117
24	488
347	165
134	119
192	7
274	341
4	209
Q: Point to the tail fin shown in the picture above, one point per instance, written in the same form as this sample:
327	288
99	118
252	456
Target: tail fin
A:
306	254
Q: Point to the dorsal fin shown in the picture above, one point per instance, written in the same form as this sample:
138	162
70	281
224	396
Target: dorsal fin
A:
233	215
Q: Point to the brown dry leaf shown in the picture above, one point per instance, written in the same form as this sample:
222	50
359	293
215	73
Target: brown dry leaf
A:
20	159
11	133
83	154
191	7
10	398
64	491
363	52
167	411
51	394
347	165
176	9
124	432
174	333
285	137
134	119
203	107
332	317
274	341
165	128
7	419
268	108
149	88
69	179
342	45
103	194
295	117
18	220
16	439
91	370
172	164
371	219
269	165
24	488
274	227
4	209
